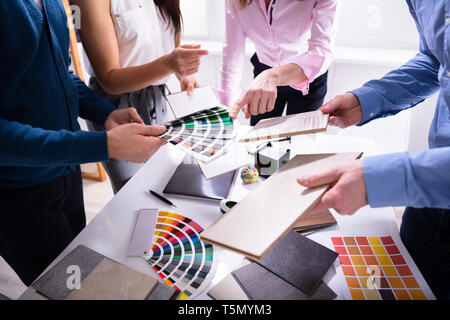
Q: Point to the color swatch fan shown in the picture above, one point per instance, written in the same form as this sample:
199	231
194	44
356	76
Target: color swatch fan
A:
378	268
179	257
205	134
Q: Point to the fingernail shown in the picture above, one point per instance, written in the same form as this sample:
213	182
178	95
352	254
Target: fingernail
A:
303	180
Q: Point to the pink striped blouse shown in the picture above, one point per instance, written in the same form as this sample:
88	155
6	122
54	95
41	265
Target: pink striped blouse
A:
289	31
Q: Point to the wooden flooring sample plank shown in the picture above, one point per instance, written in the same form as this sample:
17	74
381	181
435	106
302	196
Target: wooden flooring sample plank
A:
288	126
113	281
261	284
265	215
300	261
308	221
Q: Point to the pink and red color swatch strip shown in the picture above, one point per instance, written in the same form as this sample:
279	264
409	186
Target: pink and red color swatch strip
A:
374	269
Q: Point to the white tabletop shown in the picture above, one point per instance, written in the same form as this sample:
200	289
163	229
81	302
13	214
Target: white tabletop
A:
110	232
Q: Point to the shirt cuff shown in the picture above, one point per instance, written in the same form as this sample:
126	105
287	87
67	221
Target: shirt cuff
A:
102	111
385	178
311	65
91	146
224	97
371	103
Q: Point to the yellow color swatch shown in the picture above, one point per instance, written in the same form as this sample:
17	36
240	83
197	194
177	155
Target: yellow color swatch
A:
361	271
357	294
417	294
379	250
395	282
357	261
375	241
390	271
384	260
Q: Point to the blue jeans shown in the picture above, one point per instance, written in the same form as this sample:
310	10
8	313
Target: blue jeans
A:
426	234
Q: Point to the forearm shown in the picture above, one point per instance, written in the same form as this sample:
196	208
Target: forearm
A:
23	145
123	80
287	74
420	179
91	106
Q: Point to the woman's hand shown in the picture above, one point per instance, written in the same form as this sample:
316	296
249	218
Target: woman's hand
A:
185	60
259	97
188	84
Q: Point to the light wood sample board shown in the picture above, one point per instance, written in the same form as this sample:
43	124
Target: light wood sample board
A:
263	217
288	126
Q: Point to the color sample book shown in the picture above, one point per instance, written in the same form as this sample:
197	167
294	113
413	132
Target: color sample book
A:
205	134
288	126
300	261
374	268
179	257
255	225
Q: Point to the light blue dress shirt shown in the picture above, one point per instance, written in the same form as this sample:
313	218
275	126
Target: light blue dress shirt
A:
419	179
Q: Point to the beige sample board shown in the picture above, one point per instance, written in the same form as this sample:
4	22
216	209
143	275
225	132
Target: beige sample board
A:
264	216
227	289
113	281
288	126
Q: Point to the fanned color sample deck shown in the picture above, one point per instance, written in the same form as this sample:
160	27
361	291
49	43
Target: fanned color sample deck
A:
288	126
263	217
205	134
178	256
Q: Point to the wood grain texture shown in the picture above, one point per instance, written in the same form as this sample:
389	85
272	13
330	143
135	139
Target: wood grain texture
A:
308	221
288	126
113	281
264	216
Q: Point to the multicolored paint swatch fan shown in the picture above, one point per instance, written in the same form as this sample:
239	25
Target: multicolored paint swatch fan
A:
205	134
374	268
179	257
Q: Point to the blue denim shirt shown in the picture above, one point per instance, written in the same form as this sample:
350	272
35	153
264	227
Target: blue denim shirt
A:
419	179
40	99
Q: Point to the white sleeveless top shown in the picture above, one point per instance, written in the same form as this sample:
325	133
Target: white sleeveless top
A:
142	34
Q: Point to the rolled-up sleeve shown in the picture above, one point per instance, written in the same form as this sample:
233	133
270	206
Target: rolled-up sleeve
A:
321	43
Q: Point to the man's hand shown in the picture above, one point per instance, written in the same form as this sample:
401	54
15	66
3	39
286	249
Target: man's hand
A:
345	110
122	116
134	142
348	191
259	97
188	84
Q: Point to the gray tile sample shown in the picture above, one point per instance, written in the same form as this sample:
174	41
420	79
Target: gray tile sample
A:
300	261
260	284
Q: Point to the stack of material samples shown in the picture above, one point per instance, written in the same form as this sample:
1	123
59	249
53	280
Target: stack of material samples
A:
293	270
